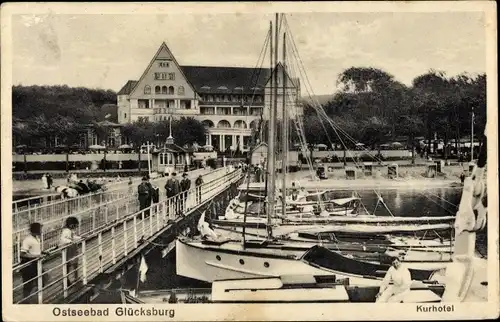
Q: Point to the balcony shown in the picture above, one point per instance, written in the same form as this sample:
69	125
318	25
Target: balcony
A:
237	103
175	111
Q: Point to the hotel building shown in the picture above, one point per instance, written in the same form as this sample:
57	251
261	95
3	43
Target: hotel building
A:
228	100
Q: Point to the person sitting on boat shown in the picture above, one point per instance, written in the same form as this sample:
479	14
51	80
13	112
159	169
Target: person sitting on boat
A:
396	283
230	214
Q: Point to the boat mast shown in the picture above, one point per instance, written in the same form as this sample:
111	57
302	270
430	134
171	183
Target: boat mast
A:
284	140
271	155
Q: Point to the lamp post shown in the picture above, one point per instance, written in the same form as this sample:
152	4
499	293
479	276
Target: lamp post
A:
472	136
170	139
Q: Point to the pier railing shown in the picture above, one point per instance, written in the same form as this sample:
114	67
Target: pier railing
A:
91	214
102	248
30	202
53	205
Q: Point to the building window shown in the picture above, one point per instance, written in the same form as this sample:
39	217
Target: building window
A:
171	90
147	89
210	98
180	91
164	64
161	76
157	90
164	89
163	159
171	76
111	141
125	115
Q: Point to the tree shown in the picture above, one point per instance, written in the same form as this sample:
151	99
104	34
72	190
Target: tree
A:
188	130
374	131
57	111
364	79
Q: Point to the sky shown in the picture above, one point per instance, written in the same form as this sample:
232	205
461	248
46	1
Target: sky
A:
104	51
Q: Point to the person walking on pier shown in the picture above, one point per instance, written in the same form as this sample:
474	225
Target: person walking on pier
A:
185	186
172	188
144	194
198	183
31	249
69	236
50	181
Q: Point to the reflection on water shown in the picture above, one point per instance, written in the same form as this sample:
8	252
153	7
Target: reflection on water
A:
409	203
434	202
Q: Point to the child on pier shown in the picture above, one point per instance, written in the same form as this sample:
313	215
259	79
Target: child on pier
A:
69	236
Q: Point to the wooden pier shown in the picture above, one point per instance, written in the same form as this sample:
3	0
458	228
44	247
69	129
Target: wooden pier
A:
112	242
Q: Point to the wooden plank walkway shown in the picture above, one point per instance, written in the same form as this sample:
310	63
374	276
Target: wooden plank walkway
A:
93	216
106	246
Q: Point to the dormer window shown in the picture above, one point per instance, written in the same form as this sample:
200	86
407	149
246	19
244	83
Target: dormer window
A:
238	88
205	87
222	87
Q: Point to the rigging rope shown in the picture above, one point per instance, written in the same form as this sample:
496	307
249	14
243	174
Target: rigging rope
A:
322	115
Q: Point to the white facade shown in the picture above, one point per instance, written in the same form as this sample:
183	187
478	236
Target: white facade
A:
223	98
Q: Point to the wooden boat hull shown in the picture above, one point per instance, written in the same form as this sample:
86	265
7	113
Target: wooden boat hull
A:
230	261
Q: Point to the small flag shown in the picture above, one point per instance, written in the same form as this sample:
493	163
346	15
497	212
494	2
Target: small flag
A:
143	269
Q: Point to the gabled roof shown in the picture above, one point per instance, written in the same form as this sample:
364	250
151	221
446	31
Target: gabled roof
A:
128	87
216	79
163	47
231	77
264	144
172	148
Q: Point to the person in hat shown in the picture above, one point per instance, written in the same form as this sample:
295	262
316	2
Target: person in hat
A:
396	283
144	193
172	188
198	183
185	186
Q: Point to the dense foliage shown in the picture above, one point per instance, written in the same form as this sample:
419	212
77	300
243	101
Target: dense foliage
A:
374	108
41	113
185	131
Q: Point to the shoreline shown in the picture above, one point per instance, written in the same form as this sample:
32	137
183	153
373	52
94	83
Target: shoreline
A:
367	183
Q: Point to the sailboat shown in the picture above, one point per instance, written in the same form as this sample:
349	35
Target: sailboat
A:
214	258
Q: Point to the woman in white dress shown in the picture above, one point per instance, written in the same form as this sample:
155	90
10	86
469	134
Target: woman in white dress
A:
45	182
